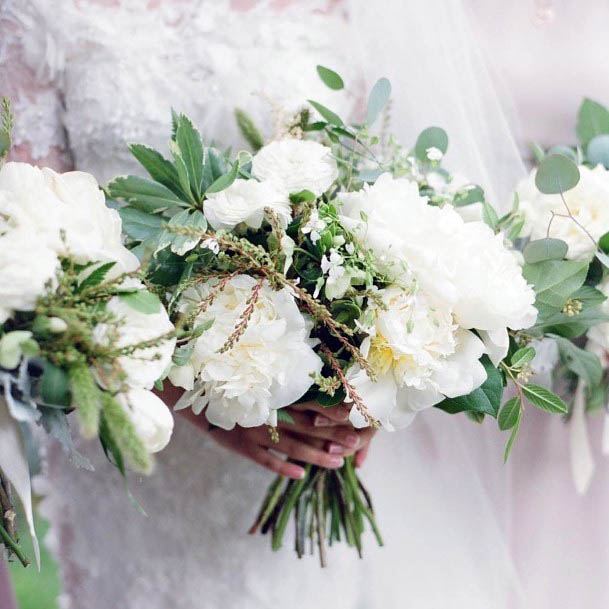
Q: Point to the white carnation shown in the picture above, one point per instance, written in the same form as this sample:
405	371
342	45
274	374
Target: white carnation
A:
588	202
129	327
244	201
268	368
69	204
26	265
419	355
150	416
296	165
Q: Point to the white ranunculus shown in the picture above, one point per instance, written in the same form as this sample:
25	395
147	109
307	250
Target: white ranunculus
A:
268	368
150	416
71	204
296	165
26	265
130	327
588	202
419	356
244	201
460	263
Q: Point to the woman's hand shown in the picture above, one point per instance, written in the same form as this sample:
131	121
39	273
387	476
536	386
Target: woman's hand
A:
320	436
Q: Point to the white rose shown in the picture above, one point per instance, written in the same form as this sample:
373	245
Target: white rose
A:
244	201
420	356
129	327
150	416
268	368
26	265
296	165
588	202
71	203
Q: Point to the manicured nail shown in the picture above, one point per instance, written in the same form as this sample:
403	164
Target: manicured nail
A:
335	449
336	462
351	440
321	421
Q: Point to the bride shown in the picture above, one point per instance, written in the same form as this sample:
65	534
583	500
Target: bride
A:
87	76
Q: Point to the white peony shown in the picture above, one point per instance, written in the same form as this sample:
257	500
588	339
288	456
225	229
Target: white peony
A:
244	201
129	327
462	264
588	202
150	416
71	204
296	165
419	356
268	368
26	265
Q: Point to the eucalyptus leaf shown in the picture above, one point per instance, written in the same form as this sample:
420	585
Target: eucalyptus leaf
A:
565	151
327	114
182	354
330	78
377	100
592	120
597	151
432	137
545	249
581	362
555	281
556	174
571	326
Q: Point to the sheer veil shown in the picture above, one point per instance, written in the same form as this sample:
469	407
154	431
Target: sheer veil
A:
454	479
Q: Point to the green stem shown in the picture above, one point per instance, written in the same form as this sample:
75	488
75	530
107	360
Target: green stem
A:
12	545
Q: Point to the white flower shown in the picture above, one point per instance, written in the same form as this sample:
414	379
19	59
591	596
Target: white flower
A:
244	201
314	227
212	245
150	416
26	265
598	335
339	278
434	154
268	368
588	202
130	327
462	264
69	204
419	356
296	165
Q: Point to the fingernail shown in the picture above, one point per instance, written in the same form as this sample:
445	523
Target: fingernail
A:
321	421
351	440
302	474
335	449
336	462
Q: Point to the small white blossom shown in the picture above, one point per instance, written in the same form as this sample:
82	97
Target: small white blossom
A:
212	245
434	154
314	227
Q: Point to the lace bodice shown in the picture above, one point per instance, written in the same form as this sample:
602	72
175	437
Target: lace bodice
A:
97	73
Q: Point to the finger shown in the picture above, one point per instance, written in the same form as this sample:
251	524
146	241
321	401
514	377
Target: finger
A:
361	456
269	461
326	416
300	450
303	424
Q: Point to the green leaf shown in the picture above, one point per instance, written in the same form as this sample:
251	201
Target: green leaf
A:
509	414
603	243
189	142
283	416
544	399
589	296
55	385
522	357
327	114
165	268
469	196
432	137
565	151
302	196
538	152
581	362
545	249
96	277
555	280
201	328
181	244
86	398
224	181
592	120
249	130
11	348
181	355
512	438
5	144
158	167
597	151
556	174
377	100
182	171
143	194
330	78
142	301
214	167
328	401
571	326
485	399
140	225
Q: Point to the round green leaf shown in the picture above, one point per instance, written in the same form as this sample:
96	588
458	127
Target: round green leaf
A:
330	78
377	100
432	137
598	150
565	151
556	174
55	385
545	249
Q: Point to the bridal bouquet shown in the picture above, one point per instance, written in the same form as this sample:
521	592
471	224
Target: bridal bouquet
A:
333	265
78	332
571	219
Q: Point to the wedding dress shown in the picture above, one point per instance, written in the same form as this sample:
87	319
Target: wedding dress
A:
87	76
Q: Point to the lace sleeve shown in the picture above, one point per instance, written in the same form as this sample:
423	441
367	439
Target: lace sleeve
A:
30	73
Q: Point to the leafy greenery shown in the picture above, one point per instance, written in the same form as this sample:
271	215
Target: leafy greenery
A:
556	174
330	78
